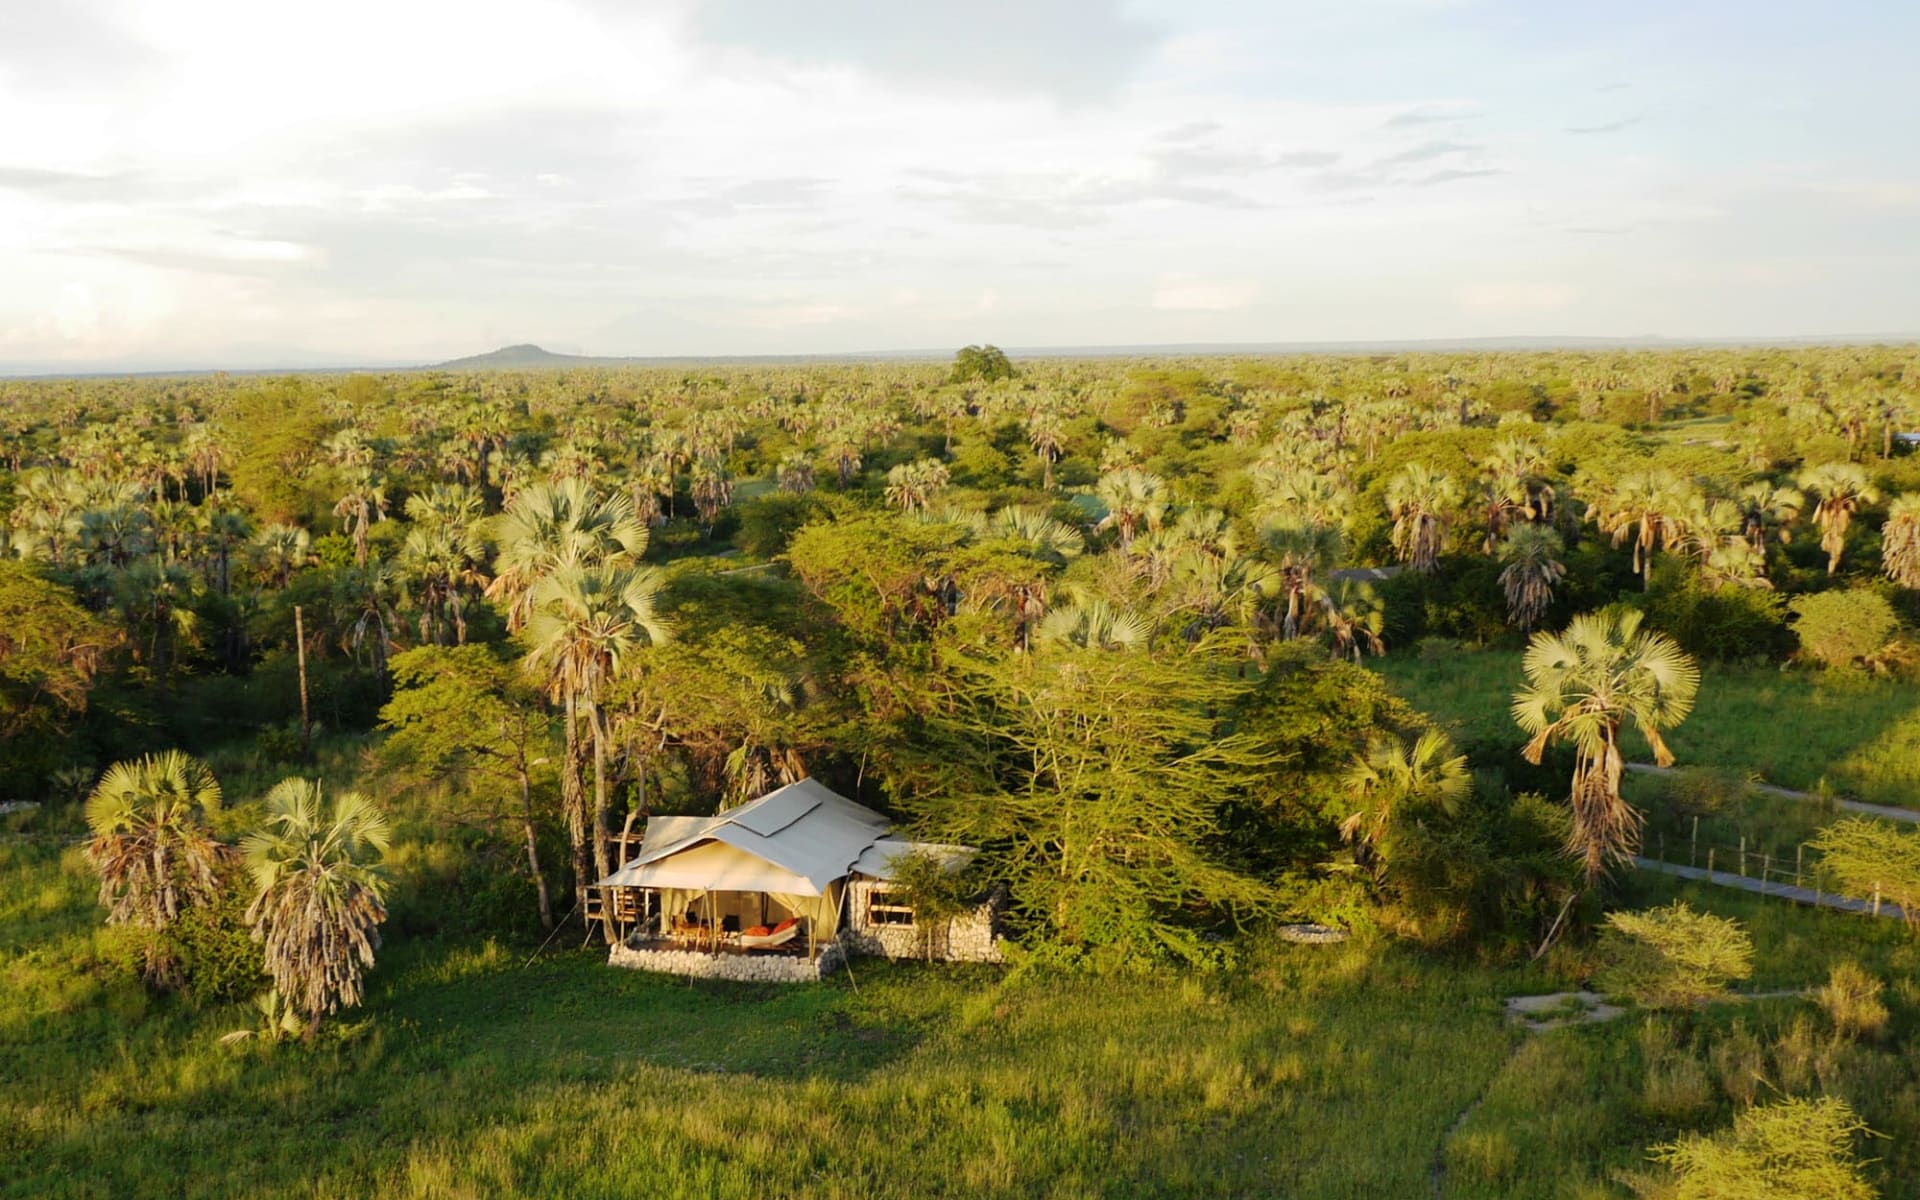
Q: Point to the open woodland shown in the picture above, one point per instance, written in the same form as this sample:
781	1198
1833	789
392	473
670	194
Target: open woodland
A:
1192	650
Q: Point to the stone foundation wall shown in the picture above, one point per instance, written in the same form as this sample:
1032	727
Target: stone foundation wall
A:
966	938
742	968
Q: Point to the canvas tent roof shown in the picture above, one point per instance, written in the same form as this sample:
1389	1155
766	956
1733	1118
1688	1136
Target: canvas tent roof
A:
877	860
797	840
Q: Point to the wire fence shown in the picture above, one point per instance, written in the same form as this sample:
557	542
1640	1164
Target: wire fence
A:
1801	871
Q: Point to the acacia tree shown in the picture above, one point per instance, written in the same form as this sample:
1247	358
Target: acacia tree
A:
151	846
320	897
465	710
1582	685
1101	773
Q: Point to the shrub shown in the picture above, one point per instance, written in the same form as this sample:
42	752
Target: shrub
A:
1851	1000
1673	957
1843	629
1792	1150
1866	858
768	523
1723	623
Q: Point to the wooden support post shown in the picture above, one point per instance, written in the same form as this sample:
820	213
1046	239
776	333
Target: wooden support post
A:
1663	845
1876	898
300	652
1799	861
1743	856
1693	851
1709	862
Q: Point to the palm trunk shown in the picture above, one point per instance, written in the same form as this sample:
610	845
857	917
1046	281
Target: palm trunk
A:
574	803
533	848
602	847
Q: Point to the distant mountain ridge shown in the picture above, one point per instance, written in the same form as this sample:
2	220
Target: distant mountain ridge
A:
526	354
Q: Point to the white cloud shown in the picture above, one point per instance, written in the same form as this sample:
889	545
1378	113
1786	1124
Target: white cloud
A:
577	169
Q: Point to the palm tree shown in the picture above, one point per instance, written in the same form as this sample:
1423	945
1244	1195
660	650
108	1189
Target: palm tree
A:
1392	778
912	486
1843	490
586	625
281	550
1533	570
795	472
1900	542
553	525
1421	502
1645	505
320	896
1047	433
1133	498
1767	510
151	846
711	486
1094	624
1583	684
1355	618
363	502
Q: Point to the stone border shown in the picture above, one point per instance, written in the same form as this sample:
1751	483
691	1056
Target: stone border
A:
738	968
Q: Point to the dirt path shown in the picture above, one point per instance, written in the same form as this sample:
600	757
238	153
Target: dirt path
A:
1885	811
1765	887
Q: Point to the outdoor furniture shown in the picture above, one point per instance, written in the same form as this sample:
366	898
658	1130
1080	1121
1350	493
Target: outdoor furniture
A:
782	933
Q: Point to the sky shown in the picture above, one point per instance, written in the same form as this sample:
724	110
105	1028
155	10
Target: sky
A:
232	183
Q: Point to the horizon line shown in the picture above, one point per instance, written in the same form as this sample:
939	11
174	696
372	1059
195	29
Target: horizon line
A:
1537	343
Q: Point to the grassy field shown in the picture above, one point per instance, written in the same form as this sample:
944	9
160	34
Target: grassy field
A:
1364	1070
1798	729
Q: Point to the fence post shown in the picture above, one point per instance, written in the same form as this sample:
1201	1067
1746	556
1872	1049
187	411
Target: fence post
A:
1876	898
1709	862
1663	845
1743	856
1799	858
1693	851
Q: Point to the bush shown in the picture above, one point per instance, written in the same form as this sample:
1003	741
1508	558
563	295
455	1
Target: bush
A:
1843	628
1725	623
1673	957
219	961
1851	1000
768	523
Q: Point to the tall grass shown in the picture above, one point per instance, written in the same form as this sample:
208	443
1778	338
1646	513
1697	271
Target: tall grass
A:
1337	1071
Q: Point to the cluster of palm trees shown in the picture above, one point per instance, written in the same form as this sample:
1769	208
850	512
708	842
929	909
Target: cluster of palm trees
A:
317	889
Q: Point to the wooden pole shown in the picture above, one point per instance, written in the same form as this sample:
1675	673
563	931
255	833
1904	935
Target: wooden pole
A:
1743	855
1693	851
300	647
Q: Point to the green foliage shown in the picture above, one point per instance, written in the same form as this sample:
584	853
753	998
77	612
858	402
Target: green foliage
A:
1796	1149
1094	779
1866	857
768	523
980	364
1673	957
1843	629
1725	623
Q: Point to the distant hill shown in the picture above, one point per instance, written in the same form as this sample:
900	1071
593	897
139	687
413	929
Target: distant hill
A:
525	355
